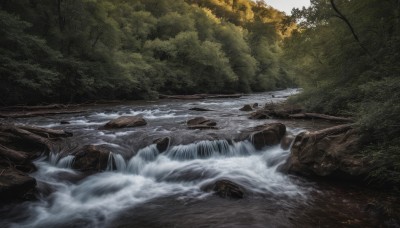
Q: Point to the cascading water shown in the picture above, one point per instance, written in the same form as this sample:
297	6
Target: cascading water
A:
66	162
146	188
183	170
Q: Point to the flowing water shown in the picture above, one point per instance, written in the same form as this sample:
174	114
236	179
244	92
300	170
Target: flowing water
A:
145	188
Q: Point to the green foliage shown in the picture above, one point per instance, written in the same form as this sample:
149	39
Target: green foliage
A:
347	62
26	62
386	157
72	51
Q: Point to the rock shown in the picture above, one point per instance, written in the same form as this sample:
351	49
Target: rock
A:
125	121
246	108
201	123
64	122
200	109
91	158
267	135
259	115
226	189
15	185
332	152
286	141
255	105
162	143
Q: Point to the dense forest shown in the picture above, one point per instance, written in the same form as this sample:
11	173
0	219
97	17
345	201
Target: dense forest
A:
345	54
79	50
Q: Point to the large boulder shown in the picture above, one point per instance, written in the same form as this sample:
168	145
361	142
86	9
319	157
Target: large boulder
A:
125	121
91	158
201	123
332	152
268	135
264	135
15	184
226	189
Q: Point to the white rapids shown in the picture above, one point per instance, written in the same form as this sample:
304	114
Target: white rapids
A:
181	171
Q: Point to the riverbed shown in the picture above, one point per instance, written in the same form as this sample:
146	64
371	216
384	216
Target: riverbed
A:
142	188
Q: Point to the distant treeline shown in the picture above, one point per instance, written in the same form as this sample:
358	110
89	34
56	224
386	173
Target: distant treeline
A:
78	50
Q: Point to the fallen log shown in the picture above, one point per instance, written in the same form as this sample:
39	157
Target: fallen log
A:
32	108
38	113
224	96
31	137
181	97
45	132
199	96
13	155
320	116
16	136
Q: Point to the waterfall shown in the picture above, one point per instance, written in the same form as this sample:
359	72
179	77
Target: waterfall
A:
207	149
55	159
117	160
143	157
66	162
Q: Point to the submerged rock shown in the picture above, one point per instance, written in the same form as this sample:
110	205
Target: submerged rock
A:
332	152
91	158
226	189
15	184
246	108
201	123
125	121
200	109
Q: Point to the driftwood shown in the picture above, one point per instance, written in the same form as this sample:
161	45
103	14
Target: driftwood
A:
316	135
199	96
18	136
320	116
21	114
45	132
33	108
13	155
286	111
181	97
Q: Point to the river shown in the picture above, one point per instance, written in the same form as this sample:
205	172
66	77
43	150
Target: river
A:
148	189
